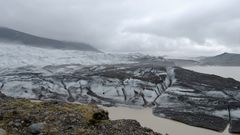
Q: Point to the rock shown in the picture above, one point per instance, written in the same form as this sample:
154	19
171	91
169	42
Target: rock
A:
98	116
234	126
17	124
1	115
101	115
2	132
197	119
2	95
128	127
235	117
70	99
35	128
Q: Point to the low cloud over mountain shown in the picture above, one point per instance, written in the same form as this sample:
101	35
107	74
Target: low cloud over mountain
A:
174	27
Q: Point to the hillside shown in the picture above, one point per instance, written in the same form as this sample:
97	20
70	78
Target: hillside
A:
13	36
225	59
25	117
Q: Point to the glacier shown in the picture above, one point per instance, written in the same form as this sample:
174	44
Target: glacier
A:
172	92
14	55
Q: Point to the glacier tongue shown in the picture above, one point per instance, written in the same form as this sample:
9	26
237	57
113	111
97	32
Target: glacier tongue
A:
112	84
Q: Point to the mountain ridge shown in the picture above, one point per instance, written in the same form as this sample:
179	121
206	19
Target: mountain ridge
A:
224	59
9	35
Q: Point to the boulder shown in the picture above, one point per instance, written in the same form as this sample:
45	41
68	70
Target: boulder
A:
35	128
2	132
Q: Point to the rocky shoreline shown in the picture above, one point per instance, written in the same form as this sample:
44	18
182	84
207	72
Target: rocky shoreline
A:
23	117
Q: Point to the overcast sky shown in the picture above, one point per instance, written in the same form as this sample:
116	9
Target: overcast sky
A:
163	27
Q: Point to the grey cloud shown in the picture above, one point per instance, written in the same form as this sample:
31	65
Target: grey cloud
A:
153	26
218	21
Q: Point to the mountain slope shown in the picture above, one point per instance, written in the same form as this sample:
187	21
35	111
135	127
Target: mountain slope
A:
225	59
13	36
184	62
